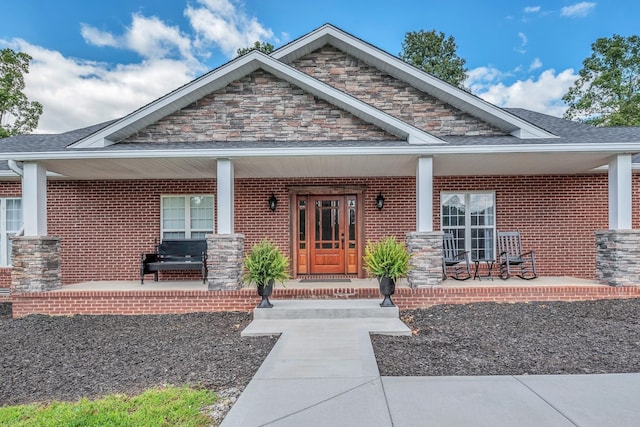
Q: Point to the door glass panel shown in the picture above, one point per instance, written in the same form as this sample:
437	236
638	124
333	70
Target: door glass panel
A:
302	224
318	223
327	226
352	220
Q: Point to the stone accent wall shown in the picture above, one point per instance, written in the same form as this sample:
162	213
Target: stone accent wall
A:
36	264
389	94
618	257
260	107
425	269
225	256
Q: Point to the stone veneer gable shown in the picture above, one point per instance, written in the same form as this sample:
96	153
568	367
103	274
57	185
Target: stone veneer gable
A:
260	107
367	83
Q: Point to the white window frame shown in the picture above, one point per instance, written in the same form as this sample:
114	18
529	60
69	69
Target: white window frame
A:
5	255
187	215
467	219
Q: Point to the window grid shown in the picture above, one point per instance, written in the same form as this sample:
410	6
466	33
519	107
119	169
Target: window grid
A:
10	223
472	215
186	217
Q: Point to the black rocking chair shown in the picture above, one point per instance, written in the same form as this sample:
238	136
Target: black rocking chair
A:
511	257
455	263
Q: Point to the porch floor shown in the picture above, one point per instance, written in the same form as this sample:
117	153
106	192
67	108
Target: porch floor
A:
196	285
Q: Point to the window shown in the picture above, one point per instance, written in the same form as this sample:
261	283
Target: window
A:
471	218
10	224
186	217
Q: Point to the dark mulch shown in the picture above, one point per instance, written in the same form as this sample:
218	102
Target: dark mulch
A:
591	337
64	358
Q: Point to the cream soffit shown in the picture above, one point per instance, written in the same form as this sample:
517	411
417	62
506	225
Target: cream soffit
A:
328	34
235	70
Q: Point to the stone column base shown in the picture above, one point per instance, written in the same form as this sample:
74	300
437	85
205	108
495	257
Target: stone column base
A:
425	266
225	257
618	257
36	264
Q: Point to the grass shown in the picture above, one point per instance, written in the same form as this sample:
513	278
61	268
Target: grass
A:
167	406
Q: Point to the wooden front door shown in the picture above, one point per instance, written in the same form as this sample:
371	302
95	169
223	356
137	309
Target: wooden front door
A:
327	235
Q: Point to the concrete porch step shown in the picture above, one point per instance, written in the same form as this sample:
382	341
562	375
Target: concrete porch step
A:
326	309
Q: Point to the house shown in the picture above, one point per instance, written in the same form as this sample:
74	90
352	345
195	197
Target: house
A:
324	144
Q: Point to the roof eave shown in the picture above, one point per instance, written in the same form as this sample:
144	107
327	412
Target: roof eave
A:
320	150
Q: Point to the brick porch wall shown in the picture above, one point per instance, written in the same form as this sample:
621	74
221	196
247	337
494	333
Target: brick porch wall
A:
64	303
105	225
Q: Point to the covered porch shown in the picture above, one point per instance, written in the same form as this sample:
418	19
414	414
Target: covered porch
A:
286	164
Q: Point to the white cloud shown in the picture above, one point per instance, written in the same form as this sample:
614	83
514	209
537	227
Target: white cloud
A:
578	10
77	93
96	37
523	43
532	9
149	37
543	94
535	64
152	38
221	23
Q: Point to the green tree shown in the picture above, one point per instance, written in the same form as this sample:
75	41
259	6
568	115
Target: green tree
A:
17	114
607	91
263	47
434	53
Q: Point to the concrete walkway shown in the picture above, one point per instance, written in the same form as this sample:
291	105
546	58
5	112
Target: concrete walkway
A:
322	372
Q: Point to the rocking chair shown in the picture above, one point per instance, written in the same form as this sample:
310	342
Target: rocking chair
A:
511	257
455	263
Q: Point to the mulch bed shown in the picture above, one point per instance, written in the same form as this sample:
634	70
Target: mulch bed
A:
64	358
591	337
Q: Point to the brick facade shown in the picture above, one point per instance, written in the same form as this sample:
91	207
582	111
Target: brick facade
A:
105	225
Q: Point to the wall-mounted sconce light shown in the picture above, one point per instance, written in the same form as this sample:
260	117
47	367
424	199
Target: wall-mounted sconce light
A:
273	202
379	201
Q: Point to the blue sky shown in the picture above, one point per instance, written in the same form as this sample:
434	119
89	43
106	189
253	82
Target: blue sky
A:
96	60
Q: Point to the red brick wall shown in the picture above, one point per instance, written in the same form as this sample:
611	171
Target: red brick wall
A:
557	215
176	302
105	225
257	222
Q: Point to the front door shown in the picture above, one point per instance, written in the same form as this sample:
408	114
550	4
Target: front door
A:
327	235
327	242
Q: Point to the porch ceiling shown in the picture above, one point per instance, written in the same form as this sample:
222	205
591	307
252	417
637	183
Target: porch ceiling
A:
329	166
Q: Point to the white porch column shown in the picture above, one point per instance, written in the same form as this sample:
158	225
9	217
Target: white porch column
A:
225	178
620	192
424	194
34	199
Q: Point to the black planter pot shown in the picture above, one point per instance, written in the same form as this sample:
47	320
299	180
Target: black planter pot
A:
264	291
387	288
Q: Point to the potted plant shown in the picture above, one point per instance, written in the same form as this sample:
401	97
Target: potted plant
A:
388	260
265	265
